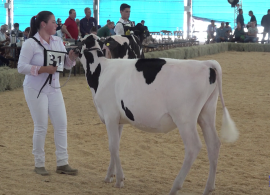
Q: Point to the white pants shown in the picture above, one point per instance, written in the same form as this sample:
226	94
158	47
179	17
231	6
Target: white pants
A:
52	104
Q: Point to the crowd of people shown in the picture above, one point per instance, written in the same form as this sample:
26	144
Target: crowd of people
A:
224	33
74	28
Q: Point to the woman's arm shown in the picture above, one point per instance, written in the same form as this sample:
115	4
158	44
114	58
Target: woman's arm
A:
70	58
26	55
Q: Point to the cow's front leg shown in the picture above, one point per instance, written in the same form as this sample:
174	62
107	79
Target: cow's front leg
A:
114	133
111	169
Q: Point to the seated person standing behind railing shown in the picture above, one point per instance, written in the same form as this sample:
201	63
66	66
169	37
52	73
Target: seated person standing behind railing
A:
252	33
211	29
228	30
221	34
26	33
105	30
16	29
239	34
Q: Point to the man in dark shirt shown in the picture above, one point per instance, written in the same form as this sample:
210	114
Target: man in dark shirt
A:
240	18
266	24
239	34
252	19
87	23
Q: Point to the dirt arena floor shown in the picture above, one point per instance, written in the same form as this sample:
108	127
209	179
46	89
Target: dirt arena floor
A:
150	161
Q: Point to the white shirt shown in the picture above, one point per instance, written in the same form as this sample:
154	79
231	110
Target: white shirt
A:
119	29
32	58
59	34
2	36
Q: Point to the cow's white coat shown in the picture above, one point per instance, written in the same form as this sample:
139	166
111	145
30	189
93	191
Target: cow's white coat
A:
180	96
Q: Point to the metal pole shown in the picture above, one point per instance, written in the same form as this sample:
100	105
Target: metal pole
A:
96	10
9	14
188	18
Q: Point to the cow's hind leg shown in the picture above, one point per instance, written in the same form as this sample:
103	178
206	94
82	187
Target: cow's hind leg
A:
114	131
206	121
111	169
192	142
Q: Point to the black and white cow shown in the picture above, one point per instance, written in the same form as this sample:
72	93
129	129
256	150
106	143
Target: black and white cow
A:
124	46
158	95
120	46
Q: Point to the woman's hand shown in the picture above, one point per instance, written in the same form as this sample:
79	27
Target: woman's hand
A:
47	69
72	55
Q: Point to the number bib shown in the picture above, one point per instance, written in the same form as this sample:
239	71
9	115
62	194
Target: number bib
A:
55	58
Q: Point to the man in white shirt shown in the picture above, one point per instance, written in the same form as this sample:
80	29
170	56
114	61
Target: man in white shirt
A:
125	13
3	37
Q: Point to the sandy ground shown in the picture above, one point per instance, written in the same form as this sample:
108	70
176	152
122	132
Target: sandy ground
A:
150	161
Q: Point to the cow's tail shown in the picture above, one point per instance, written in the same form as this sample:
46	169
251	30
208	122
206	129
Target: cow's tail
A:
229	132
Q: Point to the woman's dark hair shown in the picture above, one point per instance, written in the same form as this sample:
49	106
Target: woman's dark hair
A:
43	16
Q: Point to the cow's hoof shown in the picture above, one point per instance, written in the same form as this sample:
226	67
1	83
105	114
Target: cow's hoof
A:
119	184
108	180
208	192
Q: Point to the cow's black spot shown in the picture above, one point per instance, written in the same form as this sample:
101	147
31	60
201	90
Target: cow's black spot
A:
89	42
92	79
127	111
212	77
99	53
89	57
150	68
120	51
135	46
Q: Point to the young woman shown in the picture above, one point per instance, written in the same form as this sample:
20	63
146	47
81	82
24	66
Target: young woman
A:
50	101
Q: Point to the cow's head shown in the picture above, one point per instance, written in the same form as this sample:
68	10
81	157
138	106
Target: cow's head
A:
118	45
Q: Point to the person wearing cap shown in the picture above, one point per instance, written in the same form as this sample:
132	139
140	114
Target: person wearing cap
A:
59	24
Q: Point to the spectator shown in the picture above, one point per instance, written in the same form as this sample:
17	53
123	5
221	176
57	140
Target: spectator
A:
239	34
87	22
252	19
59	24
252	33
122	27
93	30
26	33
240	18
141	30
221	34
60	34
111	30
3	37
105	30
70	27
211	29
16	29
266	24
228	30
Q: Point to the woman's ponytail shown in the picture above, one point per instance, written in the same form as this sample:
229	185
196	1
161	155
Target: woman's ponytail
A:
35	21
